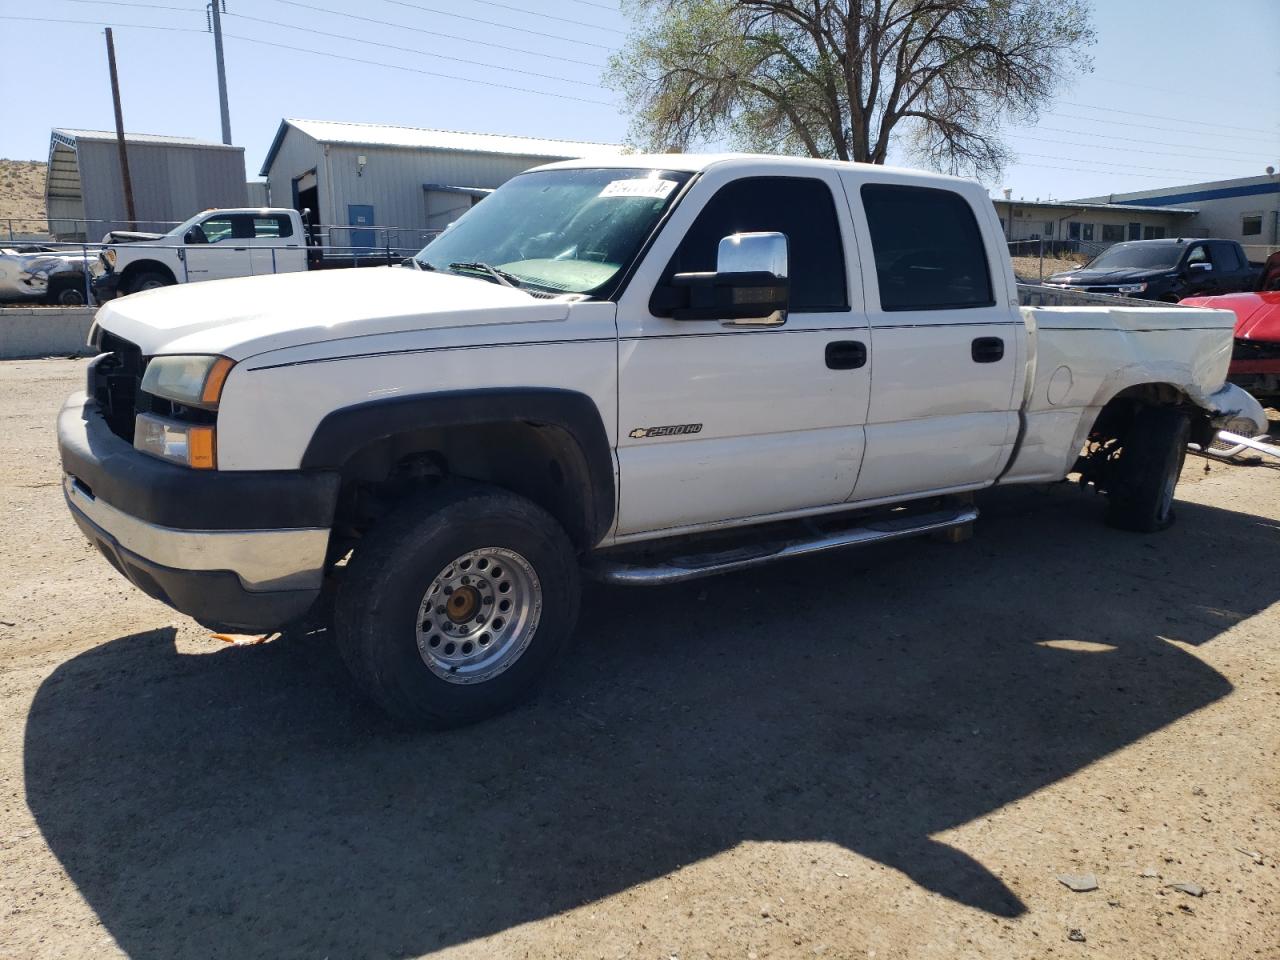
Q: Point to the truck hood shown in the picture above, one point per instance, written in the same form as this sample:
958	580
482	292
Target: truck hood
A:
1106	276
246	316
1257	314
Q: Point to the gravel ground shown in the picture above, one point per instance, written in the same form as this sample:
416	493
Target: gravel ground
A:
891	753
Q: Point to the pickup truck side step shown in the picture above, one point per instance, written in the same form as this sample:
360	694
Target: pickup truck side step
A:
692	566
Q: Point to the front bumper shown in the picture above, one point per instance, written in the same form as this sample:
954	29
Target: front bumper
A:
106	286
230	548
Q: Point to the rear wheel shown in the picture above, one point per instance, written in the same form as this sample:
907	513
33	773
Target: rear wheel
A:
1141	493
457	605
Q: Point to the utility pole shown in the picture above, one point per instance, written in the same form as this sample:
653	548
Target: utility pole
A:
124	153
215	24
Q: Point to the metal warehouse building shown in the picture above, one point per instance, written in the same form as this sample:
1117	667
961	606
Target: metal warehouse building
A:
369	185
1246	209
173	178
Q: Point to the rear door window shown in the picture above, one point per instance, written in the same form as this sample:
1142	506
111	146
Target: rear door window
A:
928	249
272	227
1226	257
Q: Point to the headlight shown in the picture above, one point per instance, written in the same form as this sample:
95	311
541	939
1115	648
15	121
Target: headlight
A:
1132	288
190	381
190	444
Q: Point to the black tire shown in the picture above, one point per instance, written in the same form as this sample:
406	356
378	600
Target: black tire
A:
67	293
149	280
1141	498
379	603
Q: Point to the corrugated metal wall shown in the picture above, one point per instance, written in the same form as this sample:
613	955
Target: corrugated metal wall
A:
170	182
391	182
298	155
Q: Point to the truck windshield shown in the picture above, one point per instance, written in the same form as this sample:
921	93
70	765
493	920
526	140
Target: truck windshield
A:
559	231
1156	256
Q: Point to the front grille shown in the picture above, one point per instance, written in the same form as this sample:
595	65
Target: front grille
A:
117	378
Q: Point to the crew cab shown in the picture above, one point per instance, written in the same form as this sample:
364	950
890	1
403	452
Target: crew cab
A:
1255	361
644	370
1167	270
213	245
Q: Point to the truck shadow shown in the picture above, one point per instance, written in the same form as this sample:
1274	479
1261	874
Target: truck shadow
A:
240	803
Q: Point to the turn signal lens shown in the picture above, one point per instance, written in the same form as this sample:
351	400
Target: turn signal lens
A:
188	444
212	391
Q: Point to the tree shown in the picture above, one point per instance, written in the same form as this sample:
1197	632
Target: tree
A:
844	78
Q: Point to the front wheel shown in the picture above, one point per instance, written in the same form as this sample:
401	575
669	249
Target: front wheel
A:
1141	495
456	605
151	280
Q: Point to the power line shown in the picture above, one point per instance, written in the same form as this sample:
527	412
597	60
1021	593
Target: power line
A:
425	73
548	16
1156	116
416	50
103	23
139	6
1112	149
311	8
1123	166
1146	126
602	6
1143	141
435	33
490	23
1109	173
317	53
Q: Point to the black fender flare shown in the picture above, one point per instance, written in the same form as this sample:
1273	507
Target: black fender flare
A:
346	431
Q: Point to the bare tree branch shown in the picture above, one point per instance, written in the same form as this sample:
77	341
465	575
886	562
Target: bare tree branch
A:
848	78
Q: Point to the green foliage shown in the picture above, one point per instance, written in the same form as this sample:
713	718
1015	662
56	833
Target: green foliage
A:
844	78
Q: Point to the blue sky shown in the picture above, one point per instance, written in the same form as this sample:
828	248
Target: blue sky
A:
1182	90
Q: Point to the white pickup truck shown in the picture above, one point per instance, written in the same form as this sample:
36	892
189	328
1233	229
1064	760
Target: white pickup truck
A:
648	370
213	245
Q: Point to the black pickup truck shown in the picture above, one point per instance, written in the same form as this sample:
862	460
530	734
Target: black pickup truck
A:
1168	270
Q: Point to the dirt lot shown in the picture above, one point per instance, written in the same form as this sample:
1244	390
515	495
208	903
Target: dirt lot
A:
884	754
22	196
1028	268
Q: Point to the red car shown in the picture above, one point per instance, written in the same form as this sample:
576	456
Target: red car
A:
1255	362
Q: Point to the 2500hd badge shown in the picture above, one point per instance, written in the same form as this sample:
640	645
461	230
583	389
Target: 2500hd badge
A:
673	430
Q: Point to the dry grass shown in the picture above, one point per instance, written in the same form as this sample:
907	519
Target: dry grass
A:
22	196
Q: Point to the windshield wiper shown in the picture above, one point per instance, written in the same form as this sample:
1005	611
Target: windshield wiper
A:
499	276
422	264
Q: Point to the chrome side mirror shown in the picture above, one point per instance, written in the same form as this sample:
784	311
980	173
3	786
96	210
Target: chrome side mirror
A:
749	287
753	253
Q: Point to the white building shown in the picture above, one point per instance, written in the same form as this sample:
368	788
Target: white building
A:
370	185
1246	209
1089	225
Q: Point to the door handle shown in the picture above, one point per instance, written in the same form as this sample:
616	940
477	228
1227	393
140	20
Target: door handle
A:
846	354
987	350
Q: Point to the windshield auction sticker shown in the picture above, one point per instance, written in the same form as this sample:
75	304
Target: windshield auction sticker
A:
650	188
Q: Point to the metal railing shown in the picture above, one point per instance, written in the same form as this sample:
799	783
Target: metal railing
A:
321	234
283	258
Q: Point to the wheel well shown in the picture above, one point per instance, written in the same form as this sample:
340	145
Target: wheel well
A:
1116	418
145	266
541	462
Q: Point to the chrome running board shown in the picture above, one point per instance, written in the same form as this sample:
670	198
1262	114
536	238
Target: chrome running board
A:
692	566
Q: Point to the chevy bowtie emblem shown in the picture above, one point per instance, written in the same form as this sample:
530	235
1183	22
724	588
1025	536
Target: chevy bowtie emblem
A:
673	430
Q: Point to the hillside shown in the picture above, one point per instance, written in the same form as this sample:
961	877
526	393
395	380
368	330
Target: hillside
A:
22	195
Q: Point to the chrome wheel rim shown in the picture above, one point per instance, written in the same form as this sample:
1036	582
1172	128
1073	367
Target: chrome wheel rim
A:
478	615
